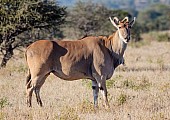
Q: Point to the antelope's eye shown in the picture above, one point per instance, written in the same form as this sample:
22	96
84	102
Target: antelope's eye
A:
119	27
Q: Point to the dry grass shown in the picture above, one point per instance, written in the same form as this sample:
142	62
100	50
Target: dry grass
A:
138	91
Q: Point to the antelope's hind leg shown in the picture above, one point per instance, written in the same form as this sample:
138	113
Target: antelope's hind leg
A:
37	90
29	91
34	84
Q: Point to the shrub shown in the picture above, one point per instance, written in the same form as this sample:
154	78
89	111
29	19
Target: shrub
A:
67	113
3	102
122	99
85	107
163	38
110	83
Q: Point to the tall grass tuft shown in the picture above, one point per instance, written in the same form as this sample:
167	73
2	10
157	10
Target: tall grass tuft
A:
122	99
85	107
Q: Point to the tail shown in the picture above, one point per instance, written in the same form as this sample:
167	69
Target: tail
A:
28	78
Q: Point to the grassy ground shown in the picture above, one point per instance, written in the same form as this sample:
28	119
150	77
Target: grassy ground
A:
138	91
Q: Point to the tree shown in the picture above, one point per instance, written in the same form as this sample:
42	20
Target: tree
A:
87	18
19	16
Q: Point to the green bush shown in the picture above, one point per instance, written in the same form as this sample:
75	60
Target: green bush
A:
163	38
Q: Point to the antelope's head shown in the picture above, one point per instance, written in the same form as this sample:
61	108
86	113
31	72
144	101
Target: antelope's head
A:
123	27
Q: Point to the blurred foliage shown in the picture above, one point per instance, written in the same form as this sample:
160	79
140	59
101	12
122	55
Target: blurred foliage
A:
156	17
18	16
87	18
120	4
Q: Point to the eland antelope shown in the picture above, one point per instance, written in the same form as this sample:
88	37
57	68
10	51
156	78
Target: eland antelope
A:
93	58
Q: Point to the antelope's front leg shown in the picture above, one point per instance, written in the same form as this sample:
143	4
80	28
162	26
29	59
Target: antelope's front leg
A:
103	90
95	88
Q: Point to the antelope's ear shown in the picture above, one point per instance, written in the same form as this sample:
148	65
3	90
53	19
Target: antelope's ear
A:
113	21
132	22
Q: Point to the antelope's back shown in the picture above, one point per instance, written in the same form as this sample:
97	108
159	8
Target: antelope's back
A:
68	58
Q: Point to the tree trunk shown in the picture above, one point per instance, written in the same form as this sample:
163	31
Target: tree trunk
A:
8	54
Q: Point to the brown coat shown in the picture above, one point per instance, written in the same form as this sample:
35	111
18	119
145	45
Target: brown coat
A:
72	60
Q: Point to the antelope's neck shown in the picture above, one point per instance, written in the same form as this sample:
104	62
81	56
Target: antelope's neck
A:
116	45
